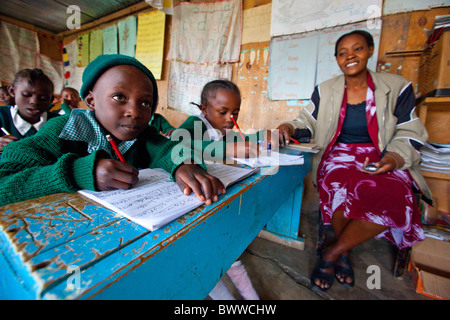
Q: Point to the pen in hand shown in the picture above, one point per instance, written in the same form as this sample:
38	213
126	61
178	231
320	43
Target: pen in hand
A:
116	149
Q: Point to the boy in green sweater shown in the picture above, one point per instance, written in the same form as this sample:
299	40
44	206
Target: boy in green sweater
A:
71	152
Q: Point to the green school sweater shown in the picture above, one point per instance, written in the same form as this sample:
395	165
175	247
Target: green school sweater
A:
6	122
160	123
197	140
45	164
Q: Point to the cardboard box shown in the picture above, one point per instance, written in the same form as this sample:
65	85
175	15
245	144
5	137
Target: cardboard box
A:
434	70
429	267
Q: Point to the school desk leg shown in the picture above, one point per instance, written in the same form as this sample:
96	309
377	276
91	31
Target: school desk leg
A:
284	225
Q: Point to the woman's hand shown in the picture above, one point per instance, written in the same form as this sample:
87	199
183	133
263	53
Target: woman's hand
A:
286	132
4	140
112	174
386	164
191	177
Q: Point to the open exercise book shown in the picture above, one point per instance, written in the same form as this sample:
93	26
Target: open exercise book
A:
271	159
157	200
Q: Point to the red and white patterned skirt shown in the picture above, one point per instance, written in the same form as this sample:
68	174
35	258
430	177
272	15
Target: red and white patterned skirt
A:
384	199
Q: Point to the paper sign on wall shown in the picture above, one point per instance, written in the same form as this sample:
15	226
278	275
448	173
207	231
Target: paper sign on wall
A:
127	36
150	41
206	32
186	82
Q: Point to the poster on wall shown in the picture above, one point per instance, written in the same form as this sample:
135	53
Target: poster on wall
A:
18	49
150	41
293	16
395	6
186	81
292	66
206	32
53	69
72	73
127	36
110	45
95	44
326	62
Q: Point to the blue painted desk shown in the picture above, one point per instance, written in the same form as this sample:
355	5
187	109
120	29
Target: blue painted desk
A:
64	246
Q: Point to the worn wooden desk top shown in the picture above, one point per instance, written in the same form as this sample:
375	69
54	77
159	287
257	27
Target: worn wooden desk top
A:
65	246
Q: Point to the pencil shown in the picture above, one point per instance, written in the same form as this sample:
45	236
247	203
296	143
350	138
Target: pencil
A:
116	149
5	131
242	136
292	139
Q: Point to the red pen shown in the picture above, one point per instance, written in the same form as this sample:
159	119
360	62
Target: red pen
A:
242	136
292	139
116	149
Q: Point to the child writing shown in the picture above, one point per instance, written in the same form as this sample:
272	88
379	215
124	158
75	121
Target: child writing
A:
221	100
5	98
32	91
220	104
71	152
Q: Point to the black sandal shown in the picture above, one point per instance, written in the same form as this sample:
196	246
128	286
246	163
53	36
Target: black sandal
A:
319	273
345	270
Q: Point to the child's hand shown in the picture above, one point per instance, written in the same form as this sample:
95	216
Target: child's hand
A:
4	140
242	149
191	177
286	132
112	174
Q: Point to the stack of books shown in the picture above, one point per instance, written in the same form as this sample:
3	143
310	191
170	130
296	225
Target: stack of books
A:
436	157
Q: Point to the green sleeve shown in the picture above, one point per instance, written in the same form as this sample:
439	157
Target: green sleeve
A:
161	124
192	132
39	166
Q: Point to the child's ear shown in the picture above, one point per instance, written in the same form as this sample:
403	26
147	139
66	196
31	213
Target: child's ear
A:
10	90
203	109
90	101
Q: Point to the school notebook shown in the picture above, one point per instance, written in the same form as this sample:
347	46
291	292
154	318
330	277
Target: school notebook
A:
157	200
271	159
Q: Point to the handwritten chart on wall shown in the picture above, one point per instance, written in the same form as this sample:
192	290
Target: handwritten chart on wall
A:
150	41
206	32
186	81
292	66
326	62
18	47
293	16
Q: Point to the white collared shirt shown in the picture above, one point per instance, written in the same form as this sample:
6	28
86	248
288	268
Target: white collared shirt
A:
22	125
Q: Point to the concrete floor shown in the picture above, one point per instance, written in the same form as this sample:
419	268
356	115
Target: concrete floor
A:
282	273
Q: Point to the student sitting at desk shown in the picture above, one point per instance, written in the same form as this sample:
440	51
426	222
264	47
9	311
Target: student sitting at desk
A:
71	152
357	118
5	98
220	103
221	100
32	91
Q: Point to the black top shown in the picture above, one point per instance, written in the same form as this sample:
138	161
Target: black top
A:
354	128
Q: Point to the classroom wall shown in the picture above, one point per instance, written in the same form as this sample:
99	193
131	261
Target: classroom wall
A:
402	40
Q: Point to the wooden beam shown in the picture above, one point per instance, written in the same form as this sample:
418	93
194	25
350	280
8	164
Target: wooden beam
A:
141	6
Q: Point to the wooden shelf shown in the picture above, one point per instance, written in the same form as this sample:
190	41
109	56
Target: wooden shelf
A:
434	112
436	175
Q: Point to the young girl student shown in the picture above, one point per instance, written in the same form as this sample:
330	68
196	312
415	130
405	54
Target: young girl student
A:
33	93
220	101
211	131
71	152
